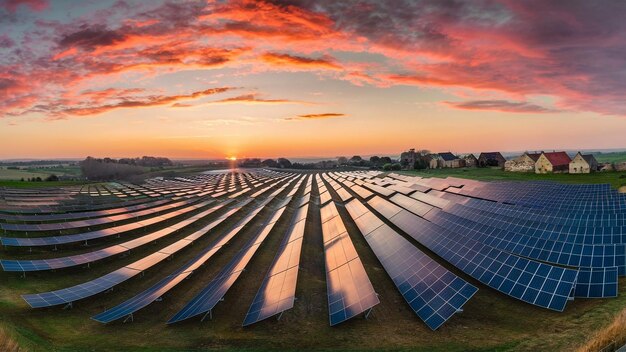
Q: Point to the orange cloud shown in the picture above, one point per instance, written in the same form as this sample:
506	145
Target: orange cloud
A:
136	102
253	99
327	115
326	62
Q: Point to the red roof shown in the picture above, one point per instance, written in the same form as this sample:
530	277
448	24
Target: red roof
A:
558	158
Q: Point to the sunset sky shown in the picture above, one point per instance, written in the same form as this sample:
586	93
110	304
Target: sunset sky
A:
213	79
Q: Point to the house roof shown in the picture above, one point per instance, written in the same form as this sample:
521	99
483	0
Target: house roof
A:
447	156
469	156
534	156
589	158
490	155
558	158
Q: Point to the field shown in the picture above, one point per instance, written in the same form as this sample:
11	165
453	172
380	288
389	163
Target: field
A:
39	171
490	321
615	179
614	157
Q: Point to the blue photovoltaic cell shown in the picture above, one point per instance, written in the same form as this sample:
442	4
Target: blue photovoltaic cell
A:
596	283
432	291
74	293
536	283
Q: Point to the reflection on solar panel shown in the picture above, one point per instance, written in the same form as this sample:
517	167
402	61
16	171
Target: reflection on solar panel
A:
90	257
208	298
86	236
540	242
433	292
277	292
127	308
87	289
536	283
350	291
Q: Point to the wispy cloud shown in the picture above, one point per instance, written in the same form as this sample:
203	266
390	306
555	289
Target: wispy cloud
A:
326	62
34	5
328	115
62	111
501	105
256	100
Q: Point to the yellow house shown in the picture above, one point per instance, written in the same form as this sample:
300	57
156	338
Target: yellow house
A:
552	162
583	164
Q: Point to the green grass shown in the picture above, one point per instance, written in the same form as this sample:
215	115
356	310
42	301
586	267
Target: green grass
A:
42	184
43	172
58	170
615	179
490	321
11	174
614	157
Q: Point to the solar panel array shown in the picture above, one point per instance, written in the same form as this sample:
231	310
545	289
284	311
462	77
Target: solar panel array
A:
278	289
542	243
433	292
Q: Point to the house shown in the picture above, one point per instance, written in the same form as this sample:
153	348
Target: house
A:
470	160
491	159
621	166
606	167
449	160
552	162
523	163
408	159
431	160
583	164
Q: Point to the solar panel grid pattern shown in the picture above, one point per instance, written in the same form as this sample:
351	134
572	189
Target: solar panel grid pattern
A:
434	293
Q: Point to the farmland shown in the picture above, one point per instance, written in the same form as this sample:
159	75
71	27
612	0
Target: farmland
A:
615	179
490	320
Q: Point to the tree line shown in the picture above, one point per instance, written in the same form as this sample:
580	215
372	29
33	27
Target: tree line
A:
374	162
120	169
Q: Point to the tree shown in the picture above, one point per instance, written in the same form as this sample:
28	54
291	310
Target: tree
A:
356	159
342	160
420	164
396	167
387	167
375	159
284	163
385	160
52	177
269	163
424	152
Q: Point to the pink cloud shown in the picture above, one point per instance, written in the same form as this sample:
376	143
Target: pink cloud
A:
576	54
33	5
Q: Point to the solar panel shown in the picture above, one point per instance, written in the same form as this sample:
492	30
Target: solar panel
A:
277	292
350	291
596	283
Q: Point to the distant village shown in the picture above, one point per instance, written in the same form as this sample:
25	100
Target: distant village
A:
539	162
